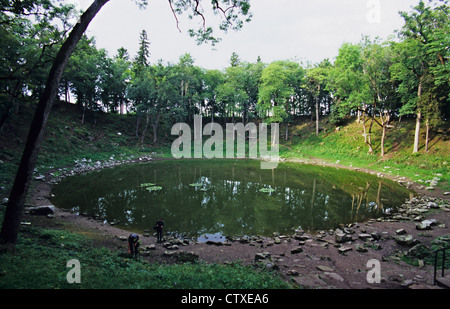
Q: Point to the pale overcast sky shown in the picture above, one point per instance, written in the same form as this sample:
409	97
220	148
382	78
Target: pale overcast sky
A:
280	29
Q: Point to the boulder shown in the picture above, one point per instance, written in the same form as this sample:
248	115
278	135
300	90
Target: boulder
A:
325	268
400	232
364	236
425	224
296	250
41	210
419	251
344	249
262	256
407	240
341	237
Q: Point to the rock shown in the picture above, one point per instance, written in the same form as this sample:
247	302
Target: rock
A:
123	238
41	210
432	205
268	264
292	272
426	224
361	249
407	240
400	232
170	253
344	249
376	235
216	243
325	268
186	257
297	250
407	283
419	251
262	256
364	236
334	276
341	237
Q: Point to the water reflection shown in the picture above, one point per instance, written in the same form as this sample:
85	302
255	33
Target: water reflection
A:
229	197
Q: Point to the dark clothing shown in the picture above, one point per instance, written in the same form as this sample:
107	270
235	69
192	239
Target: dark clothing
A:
133	244
159	228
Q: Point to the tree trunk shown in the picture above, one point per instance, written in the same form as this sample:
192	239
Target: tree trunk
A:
317	115
427	124
419	117
15	206
138	122
147	120
384	124
417	132
155	125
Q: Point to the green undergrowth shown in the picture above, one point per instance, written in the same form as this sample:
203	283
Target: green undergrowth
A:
41	258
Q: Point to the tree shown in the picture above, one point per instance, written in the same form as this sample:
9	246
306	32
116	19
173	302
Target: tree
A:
351	90
315	82
141	60
277	92
115	75
30	41
231	93
421	53
232	11
82	75
212	80
377	60
14	208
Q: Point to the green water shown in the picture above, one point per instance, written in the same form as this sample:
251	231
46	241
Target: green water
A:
220	198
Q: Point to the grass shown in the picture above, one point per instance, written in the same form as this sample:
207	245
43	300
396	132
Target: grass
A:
41	260
347	147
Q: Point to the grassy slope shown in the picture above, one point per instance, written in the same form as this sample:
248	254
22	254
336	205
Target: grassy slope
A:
346	146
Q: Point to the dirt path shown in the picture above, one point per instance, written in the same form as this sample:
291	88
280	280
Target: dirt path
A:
318	264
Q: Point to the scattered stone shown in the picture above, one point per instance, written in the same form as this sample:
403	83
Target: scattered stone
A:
216	243
361	249
407	283
400	232
344	249
123	238
292	272
407	240
325	268
376	235
186	257
341	237
262	256
334	276
419	251
426	224
364	236
41	210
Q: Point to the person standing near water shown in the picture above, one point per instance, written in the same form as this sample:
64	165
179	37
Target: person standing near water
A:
159	229
133	244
